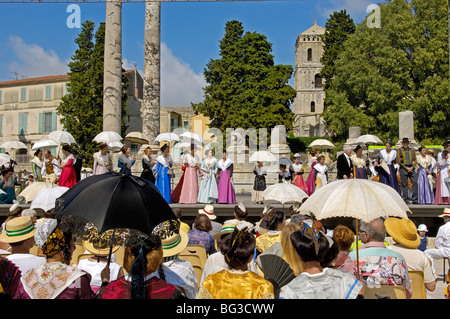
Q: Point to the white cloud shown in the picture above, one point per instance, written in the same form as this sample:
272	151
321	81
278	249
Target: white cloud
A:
180	85
32	60
356	8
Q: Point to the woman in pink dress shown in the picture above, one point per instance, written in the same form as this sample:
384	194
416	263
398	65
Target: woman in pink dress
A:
225	185
68	177
297	171
189	190
310	181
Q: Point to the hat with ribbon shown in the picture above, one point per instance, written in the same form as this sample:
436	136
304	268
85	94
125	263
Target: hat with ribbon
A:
173	239
208	210
446	213
18	229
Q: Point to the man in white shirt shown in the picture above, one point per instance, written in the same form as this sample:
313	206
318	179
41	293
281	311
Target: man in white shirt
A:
50	169
442	242
19	233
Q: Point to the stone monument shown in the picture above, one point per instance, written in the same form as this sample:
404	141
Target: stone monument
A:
406	129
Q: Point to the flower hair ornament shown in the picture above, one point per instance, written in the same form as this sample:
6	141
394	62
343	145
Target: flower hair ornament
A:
311	232
237	238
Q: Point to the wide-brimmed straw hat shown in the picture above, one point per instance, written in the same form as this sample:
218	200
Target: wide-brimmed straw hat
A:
446	213
174	244
208	210
18	229
403	231
226	229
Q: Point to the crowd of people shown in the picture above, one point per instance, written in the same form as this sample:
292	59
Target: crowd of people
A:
308	260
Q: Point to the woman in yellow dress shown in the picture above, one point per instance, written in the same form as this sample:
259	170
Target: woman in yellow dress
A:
237	282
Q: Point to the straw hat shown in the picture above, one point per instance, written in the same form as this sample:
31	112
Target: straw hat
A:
403	231
208	210
89	246
18	229
174	244
446	213
226	229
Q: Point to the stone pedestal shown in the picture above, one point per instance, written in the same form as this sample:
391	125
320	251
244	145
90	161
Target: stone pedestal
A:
353	133
406	129
112	82
280	149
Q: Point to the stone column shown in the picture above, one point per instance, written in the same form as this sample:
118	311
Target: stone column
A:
150	108
112	82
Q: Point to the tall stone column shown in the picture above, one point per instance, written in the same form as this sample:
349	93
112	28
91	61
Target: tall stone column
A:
150	109
112	82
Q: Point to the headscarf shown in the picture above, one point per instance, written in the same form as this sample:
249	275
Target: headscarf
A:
50	238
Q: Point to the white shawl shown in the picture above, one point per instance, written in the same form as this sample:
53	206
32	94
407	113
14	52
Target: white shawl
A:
224	165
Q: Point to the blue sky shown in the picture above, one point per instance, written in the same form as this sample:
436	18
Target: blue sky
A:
36	41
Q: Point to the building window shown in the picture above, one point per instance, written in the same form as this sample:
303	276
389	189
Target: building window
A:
48	92
47	122
313	107
1	123
186	124
23	94
23	117
310	54
1	98
317	81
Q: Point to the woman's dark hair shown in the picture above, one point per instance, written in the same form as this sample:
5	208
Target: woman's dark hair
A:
305	246
240	214
272	219
102	146
357	148
37	152
66	148
147	244
421	148
444	153
330	255
67	256
5	171
164	147
124	149
202	223
241	254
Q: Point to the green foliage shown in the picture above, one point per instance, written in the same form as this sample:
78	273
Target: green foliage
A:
245	89
338	27
300	144
401	66
82	107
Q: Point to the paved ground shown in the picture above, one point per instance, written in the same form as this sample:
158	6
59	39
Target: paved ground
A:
438	293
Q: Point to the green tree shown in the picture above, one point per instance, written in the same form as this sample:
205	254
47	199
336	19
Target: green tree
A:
337	28
401	66
82	107
245	88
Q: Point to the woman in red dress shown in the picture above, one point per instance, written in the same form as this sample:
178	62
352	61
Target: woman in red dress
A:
68	177
310	181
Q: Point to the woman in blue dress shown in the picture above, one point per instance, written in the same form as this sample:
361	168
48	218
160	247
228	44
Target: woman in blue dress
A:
125	162
162	173
208	192
389	156
7	186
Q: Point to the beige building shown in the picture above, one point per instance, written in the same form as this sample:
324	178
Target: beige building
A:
309	102
28	109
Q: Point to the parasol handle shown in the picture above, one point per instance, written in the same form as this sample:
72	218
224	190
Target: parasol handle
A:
109	255
357	249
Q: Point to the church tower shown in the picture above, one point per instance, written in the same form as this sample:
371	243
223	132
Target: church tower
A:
309	102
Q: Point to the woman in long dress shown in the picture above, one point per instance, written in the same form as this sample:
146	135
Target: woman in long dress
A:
163	173
389	156
189	192
442	196
125	162
310	181
208	192
225	187
320	172
147	165
36	165
259	185
175	196
68	177
297	172
359	163
102	161
425	193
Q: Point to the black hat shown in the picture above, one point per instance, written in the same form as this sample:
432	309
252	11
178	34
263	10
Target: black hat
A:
405	140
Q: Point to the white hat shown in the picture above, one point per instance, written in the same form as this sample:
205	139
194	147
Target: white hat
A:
208	210
14	206
422	227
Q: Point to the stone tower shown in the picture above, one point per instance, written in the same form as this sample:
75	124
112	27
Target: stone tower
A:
309	102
